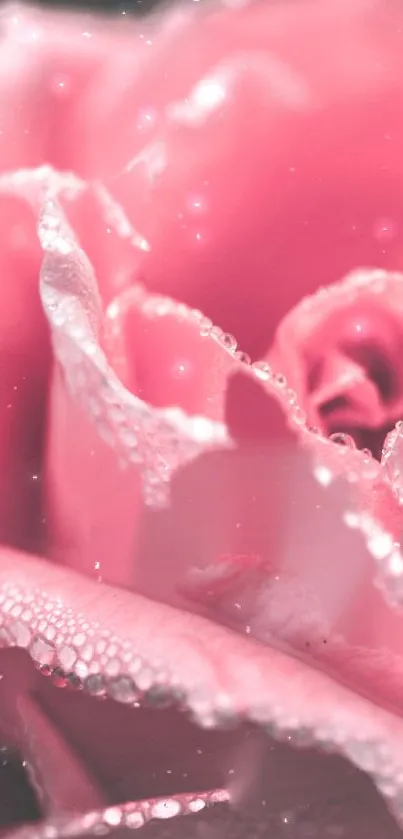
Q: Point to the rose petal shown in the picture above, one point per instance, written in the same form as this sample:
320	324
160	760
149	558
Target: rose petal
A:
224	673
168	354
151	441
87	486
340	350
206	163
248	535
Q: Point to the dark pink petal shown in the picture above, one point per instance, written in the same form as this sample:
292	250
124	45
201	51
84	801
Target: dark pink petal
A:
241	218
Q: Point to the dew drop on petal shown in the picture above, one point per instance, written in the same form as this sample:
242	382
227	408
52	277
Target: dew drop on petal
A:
41	651
122	689
342	440
262	370
280	381
298	415
228	341
134	819
243	357
166	808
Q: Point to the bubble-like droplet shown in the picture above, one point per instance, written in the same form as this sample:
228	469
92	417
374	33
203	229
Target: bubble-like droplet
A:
298	415
159	697
67	657
95	685
243	356
262	370
280	381
342	440
41	651
228	341
21	633
112	816
165	808
122	689
134	819
206	326
196	805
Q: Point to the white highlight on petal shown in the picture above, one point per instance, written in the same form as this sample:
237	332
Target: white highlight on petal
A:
323	475
279	80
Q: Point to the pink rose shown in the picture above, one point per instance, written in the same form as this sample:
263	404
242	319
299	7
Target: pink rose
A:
231	575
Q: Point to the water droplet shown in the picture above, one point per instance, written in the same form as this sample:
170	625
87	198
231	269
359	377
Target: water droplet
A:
122	689
196	805
58	677
81	669
67	657
87	652
41	651
159	697
74	682
243	357
145	679
21	633
165	808
342	440
112	667
95	685
280	381
134	819
79	639
298	415
228	341
262	370
113	816
206	326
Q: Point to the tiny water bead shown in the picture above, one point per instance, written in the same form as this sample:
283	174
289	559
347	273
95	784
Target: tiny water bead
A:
342	439
298	415
228	341
205	326
392	461
291	397
280	381
262	370
243	357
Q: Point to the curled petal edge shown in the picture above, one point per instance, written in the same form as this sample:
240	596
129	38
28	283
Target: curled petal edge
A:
227	678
